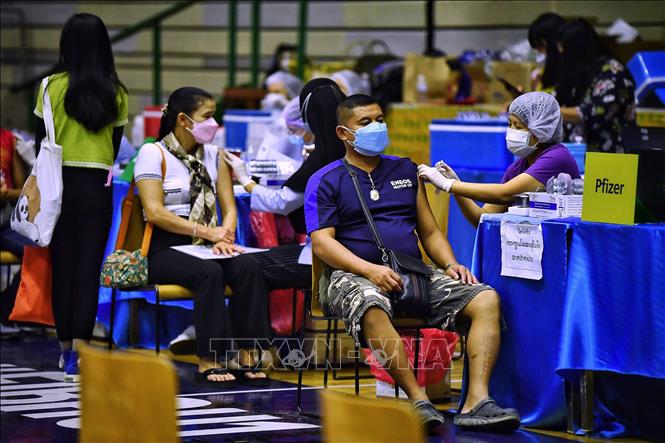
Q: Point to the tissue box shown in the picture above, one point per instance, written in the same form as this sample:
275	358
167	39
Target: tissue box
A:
544	205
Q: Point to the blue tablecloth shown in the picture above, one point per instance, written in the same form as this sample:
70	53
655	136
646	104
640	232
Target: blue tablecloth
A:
461	233
177	314
524	375
600	306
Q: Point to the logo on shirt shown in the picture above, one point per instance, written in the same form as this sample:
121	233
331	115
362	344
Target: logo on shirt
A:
400	184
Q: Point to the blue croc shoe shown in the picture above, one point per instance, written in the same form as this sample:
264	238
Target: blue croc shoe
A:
489	417
71	359
428	415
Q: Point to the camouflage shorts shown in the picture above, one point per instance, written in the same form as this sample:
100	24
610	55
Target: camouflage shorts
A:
349	296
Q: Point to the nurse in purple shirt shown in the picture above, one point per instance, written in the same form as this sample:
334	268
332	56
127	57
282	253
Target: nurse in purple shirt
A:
534	135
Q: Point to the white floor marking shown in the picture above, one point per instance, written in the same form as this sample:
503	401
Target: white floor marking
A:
232	419
61	384
253	391
249	428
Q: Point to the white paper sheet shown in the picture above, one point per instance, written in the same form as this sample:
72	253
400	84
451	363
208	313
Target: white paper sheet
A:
205	251
521	250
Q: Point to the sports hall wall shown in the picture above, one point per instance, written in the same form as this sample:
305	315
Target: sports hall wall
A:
194	42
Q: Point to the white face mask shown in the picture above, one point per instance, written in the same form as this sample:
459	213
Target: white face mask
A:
518	142
273	100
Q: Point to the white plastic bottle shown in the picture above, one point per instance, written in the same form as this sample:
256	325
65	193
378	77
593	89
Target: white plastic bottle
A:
137	131
421	89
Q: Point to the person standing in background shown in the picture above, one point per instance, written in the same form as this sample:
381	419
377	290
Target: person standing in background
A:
595	91
283	59
12	178
89	111
542	38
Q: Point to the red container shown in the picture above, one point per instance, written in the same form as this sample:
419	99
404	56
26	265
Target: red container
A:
152	117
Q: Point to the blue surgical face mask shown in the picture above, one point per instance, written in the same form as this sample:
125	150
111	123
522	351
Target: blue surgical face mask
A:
296	140
371	140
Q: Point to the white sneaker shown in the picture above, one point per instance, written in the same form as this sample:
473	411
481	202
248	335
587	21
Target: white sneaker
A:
185	343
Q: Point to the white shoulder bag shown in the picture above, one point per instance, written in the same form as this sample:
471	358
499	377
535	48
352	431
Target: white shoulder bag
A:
38	207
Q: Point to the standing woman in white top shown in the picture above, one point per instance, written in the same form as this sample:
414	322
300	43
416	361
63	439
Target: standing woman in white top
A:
183	209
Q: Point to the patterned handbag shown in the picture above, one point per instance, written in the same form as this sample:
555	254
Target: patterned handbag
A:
122	268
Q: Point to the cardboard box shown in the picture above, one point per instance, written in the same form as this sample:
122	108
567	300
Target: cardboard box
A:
544	205
491	90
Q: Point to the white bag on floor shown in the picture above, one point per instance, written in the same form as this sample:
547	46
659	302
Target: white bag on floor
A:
38	207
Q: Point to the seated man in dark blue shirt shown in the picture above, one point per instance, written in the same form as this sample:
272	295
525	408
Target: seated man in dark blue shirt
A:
356	285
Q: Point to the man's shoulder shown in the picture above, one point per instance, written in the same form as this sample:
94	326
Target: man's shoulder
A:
397	160
328	171
401	164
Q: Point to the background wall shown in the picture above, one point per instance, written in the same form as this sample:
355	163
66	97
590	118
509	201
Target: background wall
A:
194	42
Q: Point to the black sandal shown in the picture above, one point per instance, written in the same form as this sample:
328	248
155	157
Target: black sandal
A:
240	374
488	416
240	371
201	378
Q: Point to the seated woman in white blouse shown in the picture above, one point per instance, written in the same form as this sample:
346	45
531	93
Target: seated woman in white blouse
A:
183	209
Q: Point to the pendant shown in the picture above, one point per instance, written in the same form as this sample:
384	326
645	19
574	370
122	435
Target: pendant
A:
374	194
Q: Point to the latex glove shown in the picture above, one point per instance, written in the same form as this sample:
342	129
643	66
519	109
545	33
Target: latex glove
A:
433	176
239	168
446	170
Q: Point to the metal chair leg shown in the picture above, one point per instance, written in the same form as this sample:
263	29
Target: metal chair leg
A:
295	312
157	315
357	361
327	345
334	370
300	369
416	354
335	352
111	319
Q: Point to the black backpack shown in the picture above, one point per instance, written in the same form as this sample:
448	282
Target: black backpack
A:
372	58
387	82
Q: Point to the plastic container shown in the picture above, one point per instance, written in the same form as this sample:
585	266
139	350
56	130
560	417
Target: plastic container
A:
152	117
648	70
472	144
241	125
578	150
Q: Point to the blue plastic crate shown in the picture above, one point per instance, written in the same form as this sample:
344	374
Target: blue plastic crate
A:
578	150
648	70
236	125
479	145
